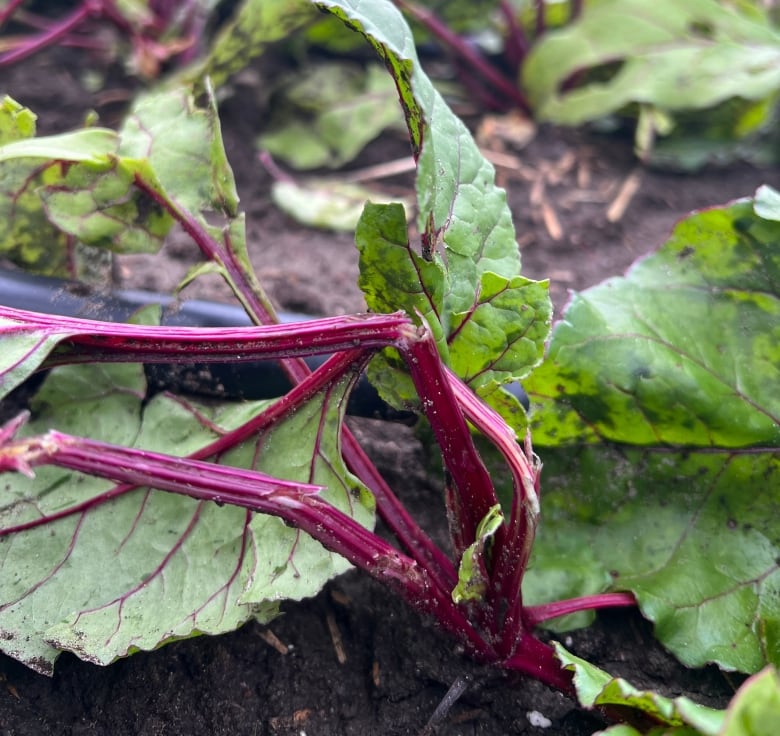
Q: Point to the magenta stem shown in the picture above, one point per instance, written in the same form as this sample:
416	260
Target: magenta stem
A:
538	660
296	503
84	340
470	55
541	17
52	35
516	42
534	615
512	547
246	289
473	494
9	10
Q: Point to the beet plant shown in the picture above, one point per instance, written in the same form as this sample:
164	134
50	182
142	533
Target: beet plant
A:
134	520
156	32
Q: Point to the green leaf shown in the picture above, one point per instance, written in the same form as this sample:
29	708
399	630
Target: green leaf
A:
755	709
597	688
672	55
468	240
678	362
472	571
150	567
256	25
694	535
767	203
24	348
27	236
327	114
684	350
99	205
183	145
16	121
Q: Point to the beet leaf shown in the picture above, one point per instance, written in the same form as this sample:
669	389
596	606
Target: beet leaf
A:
659	413
489	322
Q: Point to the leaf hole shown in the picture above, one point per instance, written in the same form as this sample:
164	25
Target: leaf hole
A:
702	29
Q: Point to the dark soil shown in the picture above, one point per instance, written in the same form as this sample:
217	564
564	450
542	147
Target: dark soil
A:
395	667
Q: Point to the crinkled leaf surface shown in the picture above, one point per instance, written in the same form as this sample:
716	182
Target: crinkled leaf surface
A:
27	165
683	350
678	715
149	567
672	55
489	321
679	363
99	205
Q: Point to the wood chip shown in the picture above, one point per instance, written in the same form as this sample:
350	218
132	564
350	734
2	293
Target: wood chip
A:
583	173
551	221
299	718
376	674
379	171
509	162
335	636
273	640
341	598
561	168
628	189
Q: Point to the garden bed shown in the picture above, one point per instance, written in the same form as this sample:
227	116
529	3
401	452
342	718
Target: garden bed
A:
355	660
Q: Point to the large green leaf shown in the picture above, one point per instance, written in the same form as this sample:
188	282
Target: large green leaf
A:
149	567
658	419
667	54
695	535
489	321
182	142
683	350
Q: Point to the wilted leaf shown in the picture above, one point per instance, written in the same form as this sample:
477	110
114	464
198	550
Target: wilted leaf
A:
183	144
322	203
256	25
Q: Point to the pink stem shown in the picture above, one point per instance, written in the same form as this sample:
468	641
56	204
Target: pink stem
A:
54	33
534	615
390	509
294	502
473	492
8	10
472	57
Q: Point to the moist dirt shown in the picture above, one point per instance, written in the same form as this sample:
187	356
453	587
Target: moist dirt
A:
354	660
